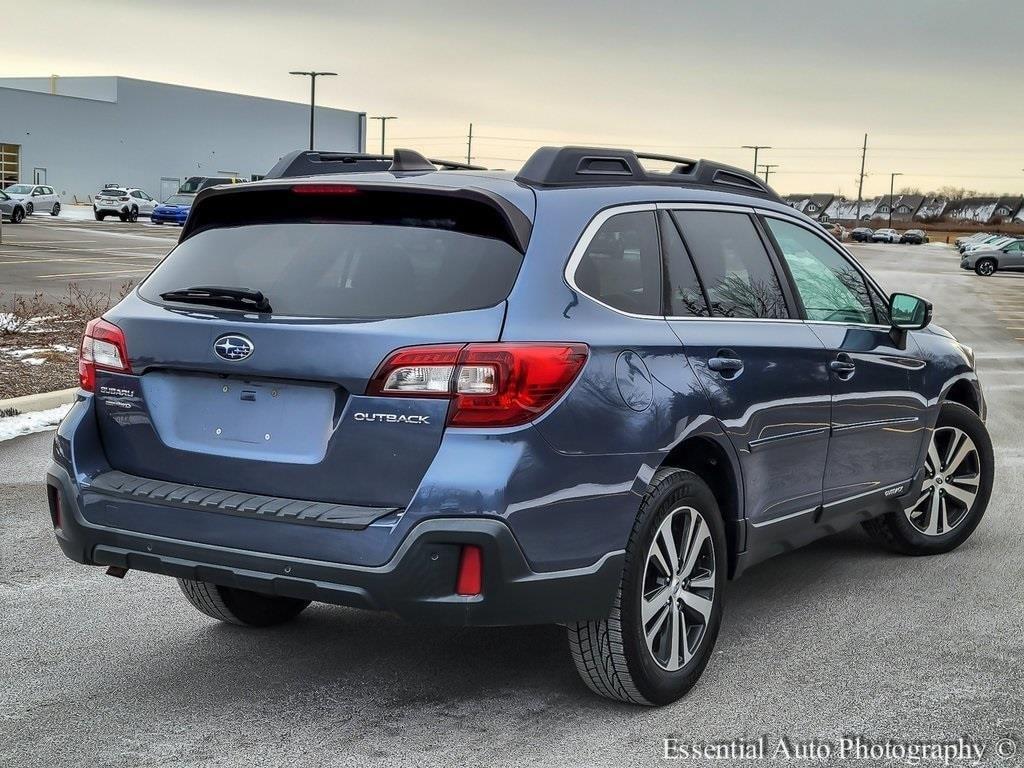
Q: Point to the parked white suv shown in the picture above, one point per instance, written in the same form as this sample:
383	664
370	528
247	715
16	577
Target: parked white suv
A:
36	197
127	203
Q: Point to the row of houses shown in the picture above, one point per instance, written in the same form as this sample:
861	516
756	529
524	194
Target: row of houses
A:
910	208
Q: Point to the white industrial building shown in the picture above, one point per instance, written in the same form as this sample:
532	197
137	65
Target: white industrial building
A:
76	134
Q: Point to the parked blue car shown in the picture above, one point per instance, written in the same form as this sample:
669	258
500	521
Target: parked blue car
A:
173	210
587	394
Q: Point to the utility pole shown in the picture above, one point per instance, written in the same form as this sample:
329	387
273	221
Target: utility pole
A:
892	181
768	169
860	186
755	147
312	96
383	124
469	146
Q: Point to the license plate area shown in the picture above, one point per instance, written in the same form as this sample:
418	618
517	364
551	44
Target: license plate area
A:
267	420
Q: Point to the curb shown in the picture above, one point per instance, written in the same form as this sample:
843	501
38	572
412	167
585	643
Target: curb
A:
41	402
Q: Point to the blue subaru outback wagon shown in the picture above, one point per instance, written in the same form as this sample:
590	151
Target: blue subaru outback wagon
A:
587	394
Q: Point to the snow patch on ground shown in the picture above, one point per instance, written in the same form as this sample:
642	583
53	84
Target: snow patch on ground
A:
37	421
77	212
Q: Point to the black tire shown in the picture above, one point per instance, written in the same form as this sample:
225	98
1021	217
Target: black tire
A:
17	215
123	216
99	216
55	211
29	208
133	214
895	529
985	267
612	655
240	606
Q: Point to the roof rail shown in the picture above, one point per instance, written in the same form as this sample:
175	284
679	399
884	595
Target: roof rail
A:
305	162
593	166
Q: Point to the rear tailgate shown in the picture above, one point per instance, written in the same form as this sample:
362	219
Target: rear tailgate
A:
273	403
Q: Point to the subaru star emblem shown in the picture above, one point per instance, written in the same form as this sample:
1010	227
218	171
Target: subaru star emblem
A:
233	347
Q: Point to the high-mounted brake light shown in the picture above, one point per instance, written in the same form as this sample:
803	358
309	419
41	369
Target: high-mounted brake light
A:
489	385
325	189
103	348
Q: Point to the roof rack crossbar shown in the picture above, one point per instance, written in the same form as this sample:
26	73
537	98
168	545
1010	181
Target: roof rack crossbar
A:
305	162
589	166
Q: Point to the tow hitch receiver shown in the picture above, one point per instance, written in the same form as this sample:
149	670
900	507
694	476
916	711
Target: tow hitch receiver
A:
116	571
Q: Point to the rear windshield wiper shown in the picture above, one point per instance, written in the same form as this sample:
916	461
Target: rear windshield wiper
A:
219	296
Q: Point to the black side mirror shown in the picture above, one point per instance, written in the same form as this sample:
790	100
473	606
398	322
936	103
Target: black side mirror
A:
908	312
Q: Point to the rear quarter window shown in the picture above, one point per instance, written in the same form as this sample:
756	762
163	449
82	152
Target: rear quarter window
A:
621	266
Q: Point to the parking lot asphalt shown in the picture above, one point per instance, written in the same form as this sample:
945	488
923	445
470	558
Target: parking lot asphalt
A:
44	253
839	638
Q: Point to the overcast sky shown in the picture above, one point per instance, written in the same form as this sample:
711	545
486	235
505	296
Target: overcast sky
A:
937	84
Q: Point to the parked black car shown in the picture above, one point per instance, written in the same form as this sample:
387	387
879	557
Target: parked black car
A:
914	237
862	234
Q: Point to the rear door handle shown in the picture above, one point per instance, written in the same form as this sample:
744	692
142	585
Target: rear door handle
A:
726	365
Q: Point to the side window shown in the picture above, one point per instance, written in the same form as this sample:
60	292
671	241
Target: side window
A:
881	306
622	264
733	265
685	295
830	286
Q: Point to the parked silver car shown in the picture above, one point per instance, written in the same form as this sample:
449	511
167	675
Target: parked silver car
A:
985	261
885	236
37	198
11	209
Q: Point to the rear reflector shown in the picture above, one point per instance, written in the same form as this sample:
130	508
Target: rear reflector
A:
489	385
53	497
470	580
103	348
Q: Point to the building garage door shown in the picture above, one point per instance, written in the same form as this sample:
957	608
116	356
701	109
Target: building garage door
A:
10	164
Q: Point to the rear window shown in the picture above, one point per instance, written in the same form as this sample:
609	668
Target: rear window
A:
334	257
112	192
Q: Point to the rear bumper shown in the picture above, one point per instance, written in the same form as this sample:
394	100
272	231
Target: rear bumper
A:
417	583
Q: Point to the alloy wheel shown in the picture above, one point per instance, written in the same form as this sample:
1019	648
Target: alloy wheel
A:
952	476
678	588
986	267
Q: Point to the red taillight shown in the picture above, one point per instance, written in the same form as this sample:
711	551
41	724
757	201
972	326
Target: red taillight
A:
124	199
471	571
490	385
103	348
325	189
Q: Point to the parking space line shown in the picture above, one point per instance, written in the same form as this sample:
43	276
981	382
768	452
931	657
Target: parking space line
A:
84	274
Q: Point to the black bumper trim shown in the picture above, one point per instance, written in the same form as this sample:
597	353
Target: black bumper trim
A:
327	514
417	583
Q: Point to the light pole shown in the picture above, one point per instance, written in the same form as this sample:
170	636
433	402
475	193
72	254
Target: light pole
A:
383	124
755	147
312	96
892	181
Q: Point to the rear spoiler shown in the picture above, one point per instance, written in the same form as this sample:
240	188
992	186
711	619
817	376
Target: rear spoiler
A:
213	207
304	162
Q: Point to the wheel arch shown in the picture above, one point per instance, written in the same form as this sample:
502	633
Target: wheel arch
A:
962	391
716	465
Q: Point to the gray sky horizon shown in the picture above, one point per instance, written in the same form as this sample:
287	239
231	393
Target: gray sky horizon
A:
935	83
